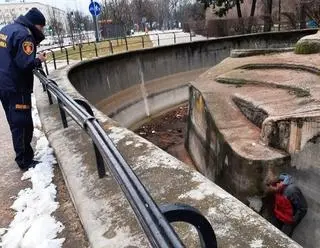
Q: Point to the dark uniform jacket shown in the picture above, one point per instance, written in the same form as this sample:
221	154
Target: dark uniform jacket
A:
18	43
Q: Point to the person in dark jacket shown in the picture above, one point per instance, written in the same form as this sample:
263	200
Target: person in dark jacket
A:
18	42
290	205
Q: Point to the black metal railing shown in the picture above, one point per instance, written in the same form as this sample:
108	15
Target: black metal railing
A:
154	220
114	45
91	49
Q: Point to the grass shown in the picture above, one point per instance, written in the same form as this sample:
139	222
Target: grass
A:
103	48
307	47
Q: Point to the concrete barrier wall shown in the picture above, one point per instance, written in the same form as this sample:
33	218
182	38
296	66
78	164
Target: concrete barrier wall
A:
104	78
103	209
135	72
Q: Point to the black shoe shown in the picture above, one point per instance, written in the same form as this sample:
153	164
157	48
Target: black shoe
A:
31	165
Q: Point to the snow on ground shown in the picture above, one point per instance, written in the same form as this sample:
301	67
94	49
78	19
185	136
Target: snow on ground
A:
33	225
167	37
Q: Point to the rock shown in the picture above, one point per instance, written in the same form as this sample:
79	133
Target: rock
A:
308	44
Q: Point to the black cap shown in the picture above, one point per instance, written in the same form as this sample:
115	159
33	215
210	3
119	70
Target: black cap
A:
36	17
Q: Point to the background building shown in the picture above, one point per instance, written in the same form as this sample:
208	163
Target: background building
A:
11	10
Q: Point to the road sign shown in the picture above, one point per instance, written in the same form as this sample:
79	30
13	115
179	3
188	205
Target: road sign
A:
95	8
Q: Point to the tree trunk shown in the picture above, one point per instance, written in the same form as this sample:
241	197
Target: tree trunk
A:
242	28
253	9
268	16
302	16
239	9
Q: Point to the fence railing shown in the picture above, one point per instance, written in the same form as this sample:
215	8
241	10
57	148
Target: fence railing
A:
90	49
64	54
154	220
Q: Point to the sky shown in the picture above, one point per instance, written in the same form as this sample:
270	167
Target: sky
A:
82	5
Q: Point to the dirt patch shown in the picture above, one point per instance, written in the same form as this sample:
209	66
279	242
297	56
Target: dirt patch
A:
167	131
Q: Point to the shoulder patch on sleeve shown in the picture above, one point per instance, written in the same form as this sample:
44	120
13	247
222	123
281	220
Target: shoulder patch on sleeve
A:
28	47
3	40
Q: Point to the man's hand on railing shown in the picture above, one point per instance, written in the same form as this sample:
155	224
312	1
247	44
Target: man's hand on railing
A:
42	56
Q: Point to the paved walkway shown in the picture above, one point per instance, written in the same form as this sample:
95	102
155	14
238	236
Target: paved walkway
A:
11	184
10	174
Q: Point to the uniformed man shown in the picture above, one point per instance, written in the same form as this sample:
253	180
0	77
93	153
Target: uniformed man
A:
18	42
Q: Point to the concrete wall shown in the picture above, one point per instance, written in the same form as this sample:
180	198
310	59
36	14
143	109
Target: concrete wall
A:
215	158
104	80
305	167
135	72
215	150
104	211
244	177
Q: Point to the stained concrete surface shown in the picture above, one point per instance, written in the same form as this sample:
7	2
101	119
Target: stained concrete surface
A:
103	209
254	117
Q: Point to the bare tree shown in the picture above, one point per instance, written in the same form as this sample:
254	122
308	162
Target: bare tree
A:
311	10
120	12
56	26
77	23
267	15
143	9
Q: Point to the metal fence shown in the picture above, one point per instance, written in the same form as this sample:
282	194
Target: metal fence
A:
155	220
63	55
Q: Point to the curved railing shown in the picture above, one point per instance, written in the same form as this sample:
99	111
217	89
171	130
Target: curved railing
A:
153	219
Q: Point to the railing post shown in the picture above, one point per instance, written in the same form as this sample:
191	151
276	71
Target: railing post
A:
111	47
142	39
67	55
80	51
49	97
62	114
158	40
125	39
174	38
46	67
95	49
100	163
54	59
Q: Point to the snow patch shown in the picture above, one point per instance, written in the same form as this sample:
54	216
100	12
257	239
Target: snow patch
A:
201	192
33	226
129	143
117	134
138	145
257	243
155	157
255	203
219	192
